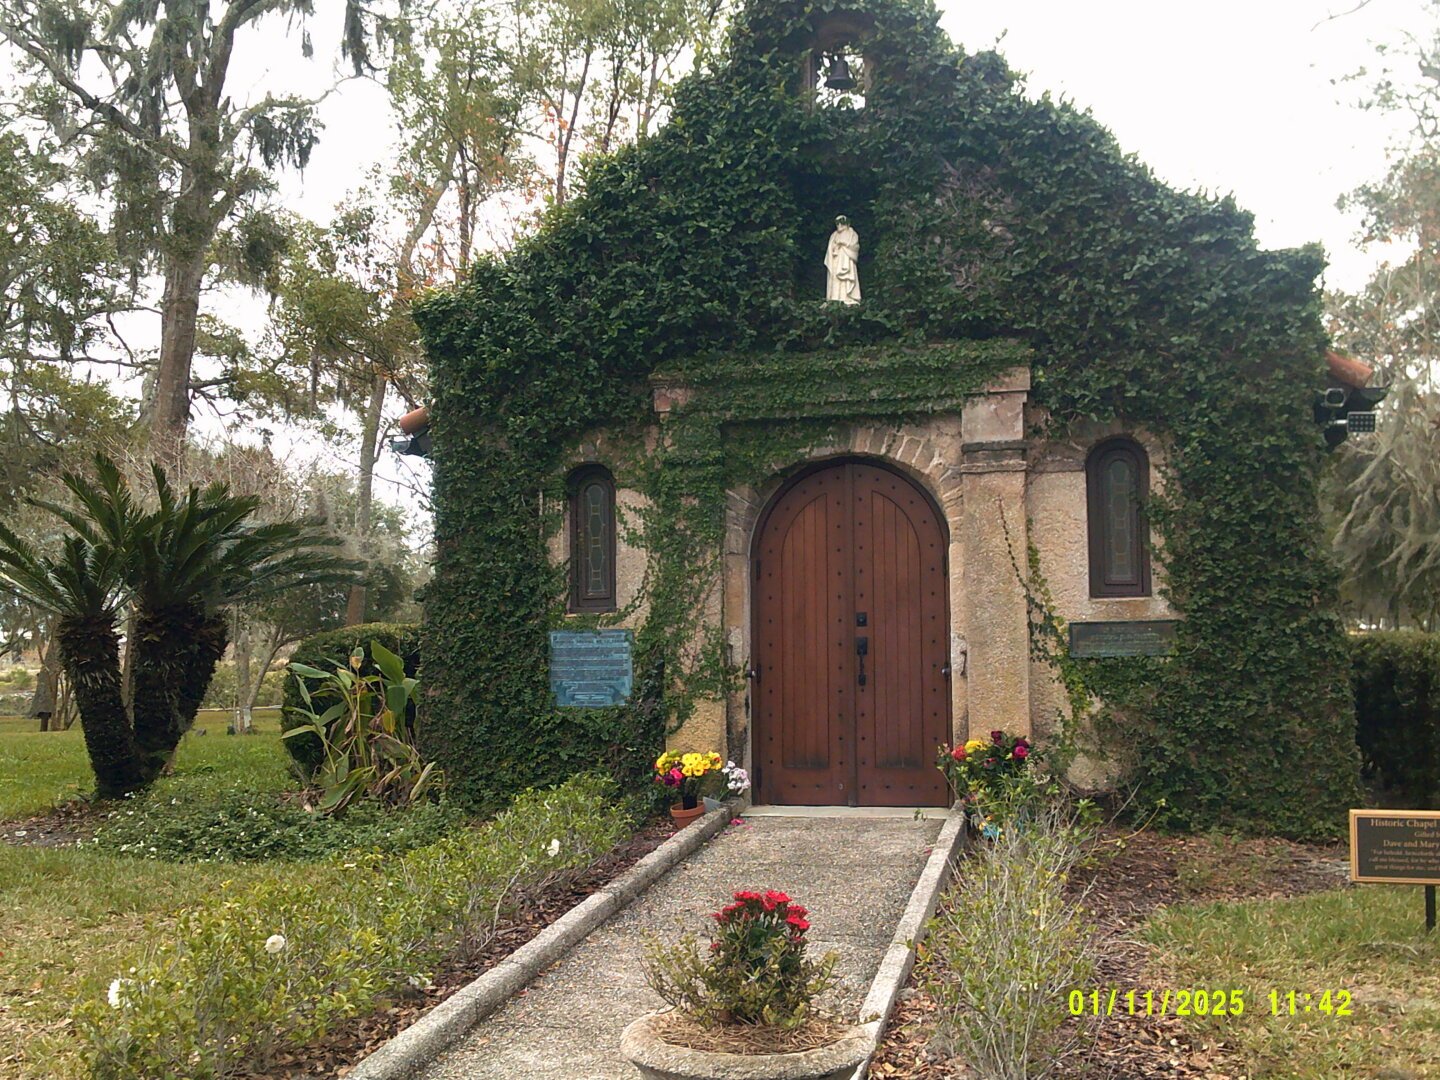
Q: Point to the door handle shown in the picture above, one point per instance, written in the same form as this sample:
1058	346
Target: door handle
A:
862	648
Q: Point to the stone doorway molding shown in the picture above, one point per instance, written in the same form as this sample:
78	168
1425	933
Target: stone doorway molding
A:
973	464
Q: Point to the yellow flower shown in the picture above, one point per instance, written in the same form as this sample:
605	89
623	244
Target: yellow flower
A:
974	746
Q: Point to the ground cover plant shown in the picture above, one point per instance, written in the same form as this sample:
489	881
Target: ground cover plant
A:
271	966
80	915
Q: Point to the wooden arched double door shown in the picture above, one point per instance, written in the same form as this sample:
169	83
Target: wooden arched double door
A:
851	642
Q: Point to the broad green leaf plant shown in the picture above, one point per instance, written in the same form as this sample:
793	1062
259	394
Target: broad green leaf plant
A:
360	722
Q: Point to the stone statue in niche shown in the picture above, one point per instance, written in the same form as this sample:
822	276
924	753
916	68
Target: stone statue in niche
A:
842	263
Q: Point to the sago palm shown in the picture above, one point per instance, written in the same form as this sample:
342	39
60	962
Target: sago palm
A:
195	555
83	587
186	560
177	565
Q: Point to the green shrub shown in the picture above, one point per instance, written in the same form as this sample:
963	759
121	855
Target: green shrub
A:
193	822
1396	678
1009	945
331	649
362	724
276	965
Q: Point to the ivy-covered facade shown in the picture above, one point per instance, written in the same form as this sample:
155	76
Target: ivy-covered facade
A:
1069	394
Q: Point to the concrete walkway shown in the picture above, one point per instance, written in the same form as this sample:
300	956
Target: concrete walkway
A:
854	873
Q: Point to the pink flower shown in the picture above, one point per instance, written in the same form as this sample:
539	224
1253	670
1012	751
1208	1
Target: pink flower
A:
1021	752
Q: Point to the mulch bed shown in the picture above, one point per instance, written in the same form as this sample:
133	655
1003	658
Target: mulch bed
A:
352	1040
61	827
1145	873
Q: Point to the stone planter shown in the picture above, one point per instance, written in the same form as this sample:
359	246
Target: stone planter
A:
656	1059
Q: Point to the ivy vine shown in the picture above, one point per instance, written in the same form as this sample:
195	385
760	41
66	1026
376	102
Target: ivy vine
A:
996	227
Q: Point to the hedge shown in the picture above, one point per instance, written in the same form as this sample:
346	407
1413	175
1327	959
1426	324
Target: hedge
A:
330	649
1396	676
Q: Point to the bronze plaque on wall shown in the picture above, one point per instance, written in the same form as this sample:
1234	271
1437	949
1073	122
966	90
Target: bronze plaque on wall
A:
1141	637
1398	847
591	668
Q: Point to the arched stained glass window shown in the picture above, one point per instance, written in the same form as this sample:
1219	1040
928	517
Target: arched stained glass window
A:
592	540
1117	485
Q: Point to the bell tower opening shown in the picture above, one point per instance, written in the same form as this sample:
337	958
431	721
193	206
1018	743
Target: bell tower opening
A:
836	71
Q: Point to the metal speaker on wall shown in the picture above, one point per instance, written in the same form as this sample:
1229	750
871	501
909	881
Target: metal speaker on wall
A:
839	77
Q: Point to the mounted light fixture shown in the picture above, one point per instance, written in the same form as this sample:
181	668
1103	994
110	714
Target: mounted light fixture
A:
839	77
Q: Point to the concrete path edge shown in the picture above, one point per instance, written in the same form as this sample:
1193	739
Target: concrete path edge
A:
403	1056
900	956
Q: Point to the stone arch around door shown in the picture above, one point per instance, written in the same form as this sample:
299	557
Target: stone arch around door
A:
850	639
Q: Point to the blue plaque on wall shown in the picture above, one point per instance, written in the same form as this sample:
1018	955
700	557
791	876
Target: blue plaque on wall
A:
591	668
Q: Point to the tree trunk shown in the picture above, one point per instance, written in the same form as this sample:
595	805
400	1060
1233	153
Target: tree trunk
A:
273	646
199	668
564	153
243	696
176	650
90	653
169	406
355	608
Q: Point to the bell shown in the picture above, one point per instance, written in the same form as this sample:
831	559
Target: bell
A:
839	77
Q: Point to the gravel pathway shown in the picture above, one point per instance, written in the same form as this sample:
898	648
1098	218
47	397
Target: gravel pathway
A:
853	873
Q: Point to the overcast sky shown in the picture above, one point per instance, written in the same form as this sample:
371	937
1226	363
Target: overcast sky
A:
1232	96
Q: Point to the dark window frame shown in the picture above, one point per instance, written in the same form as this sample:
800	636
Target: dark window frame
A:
582	600
1103	583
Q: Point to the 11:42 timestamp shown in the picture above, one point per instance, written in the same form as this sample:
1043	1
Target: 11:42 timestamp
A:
1294	1003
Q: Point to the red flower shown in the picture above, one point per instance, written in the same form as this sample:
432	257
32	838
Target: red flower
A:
958	753
777	897
996	737
1021	751
796	909
745	896
798	922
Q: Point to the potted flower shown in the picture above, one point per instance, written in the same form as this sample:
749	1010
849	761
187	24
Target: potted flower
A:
989	776
691	776
743	1009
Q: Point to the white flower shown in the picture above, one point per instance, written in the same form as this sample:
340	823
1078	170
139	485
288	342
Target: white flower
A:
275	943
113	994
553	849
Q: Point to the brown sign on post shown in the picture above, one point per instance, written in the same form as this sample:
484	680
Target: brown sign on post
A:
1396	847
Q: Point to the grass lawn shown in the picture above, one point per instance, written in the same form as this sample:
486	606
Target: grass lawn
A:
1368	940
75	918
41	769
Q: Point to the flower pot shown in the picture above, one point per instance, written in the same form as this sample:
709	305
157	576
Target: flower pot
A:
683	817
645	1046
